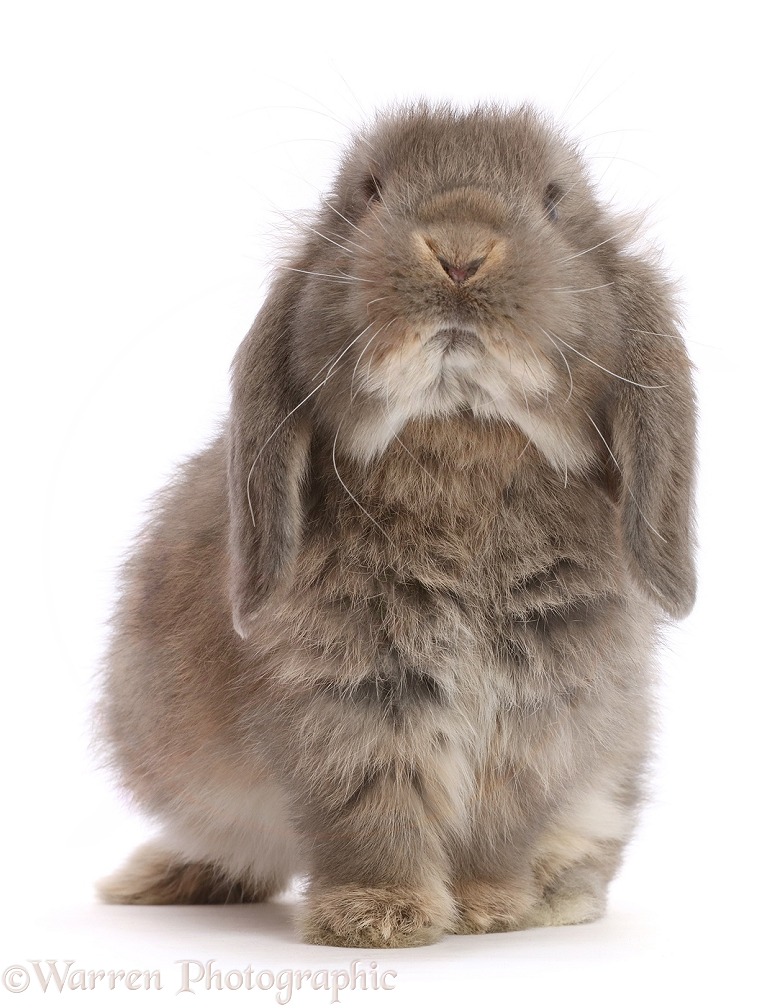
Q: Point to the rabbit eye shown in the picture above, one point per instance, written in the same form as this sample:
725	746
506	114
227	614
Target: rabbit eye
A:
372	190
553	195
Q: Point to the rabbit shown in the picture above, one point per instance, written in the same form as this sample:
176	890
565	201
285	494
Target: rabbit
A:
393	631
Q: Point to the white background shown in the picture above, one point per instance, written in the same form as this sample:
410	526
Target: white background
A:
148	152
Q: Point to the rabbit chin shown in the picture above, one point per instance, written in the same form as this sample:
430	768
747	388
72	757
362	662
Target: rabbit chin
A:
449	371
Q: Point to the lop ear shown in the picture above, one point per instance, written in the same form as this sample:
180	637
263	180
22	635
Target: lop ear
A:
268	453
653	441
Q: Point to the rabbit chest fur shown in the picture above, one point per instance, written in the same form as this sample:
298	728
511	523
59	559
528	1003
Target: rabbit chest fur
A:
393	630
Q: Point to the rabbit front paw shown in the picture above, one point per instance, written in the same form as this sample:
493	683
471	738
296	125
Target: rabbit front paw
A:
492	906
376	917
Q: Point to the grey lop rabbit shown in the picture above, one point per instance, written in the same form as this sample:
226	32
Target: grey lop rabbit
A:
393	630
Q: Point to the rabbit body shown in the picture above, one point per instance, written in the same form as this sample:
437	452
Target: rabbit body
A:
393	630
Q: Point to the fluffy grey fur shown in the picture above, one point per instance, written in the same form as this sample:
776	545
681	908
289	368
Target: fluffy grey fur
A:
394	628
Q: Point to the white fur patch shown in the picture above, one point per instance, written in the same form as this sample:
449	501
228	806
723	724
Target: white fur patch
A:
425	378
244	830
595	818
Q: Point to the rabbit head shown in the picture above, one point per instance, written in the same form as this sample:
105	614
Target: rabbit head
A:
463	265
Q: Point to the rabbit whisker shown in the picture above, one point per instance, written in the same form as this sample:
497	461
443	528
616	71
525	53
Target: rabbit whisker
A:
348	221
351	91
606	370
606	97
343	278
339	353
563	196
303	108
579	87
566	364
578	290
419	463
585	251
681	339
374	212
547	400
357	362
506	420
648	332
546	387
352	392
522	385
290	140
268	440
354	498
331	112
614	157
370	362
510	369
303	226
349	345
647	522
307	227
620	132
285	419
413	456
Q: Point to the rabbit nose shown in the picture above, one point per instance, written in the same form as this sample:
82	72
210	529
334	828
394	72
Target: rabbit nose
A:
460	273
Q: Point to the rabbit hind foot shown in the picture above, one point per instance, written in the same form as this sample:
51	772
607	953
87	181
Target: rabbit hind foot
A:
156	876
566	906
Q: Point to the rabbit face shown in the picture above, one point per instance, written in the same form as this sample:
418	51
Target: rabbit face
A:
463	267
462	282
